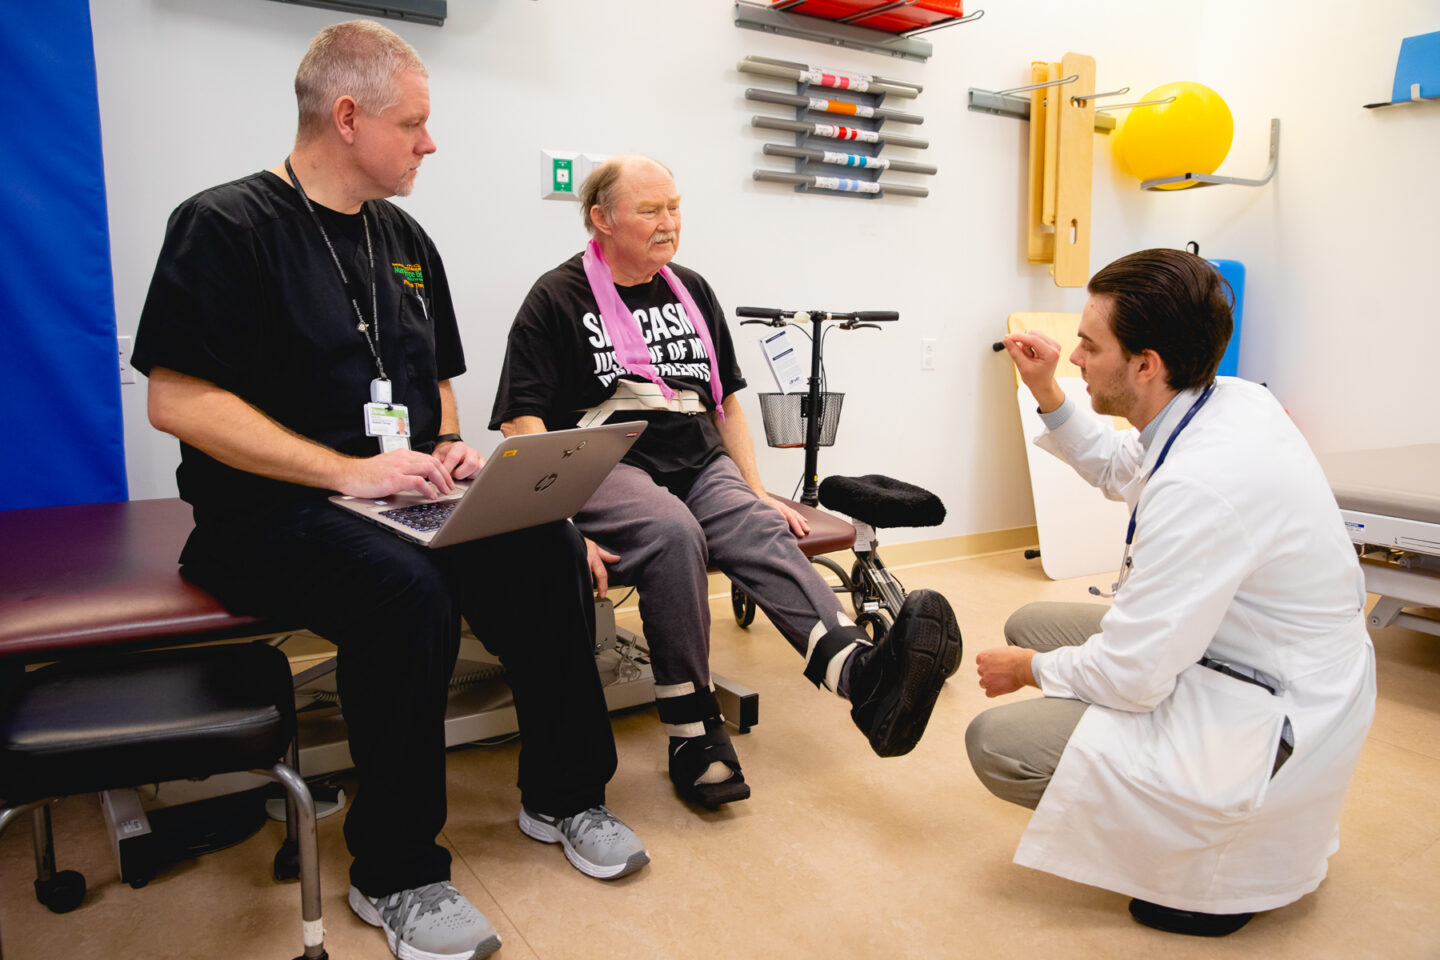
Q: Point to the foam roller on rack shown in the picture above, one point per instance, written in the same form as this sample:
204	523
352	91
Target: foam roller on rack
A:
840	183
846	159
835	132
831	106
800	73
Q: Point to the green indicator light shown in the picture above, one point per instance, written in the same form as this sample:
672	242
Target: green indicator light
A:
562	171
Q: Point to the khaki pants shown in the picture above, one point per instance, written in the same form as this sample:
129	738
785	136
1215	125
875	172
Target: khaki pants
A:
1016	747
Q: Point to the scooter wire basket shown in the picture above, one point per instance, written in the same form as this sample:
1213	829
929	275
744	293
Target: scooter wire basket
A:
787	415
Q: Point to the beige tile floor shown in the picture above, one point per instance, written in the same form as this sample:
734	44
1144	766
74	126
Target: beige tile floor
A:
838	853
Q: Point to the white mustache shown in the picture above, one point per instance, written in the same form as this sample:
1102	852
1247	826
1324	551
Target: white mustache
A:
663	237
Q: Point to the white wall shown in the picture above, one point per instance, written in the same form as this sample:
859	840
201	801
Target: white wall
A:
1340	319
1343	315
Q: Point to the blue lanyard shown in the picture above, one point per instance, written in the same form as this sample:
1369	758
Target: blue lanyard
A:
1184	421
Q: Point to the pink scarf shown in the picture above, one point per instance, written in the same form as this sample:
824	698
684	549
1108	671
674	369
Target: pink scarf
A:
623	329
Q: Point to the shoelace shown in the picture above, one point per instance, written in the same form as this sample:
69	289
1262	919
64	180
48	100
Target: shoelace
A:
428	899
596	818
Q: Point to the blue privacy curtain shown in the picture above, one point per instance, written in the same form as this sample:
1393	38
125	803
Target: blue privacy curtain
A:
63	437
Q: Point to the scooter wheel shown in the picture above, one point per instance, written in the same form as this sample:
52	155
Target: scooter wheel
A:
743	606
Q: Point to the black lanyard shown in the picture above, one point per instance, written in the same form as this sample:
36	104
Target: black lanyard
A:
372	340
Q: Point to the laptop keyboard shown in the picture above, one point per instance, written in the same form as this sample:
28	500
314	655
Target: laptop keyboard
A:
423	517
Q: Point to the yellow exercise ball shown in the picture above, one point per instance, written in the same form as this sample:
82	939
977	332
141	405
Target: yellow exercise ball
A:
1190	135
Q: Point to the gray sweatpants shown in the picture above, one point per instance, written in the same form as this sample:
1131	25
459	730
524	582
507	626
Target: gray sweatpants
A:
1016	747
666	544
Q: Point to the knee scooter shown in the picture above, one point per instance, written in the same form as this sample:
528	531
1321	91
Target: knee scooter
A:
871	501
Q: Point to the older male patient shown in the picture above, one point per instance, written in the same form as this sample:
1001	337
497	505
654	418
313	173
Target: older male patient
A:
1196	738
284	304
618	333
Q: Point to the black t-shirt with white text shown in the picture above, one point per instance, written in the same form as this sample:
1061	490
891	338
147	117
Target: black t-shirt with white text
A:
559	362
246	296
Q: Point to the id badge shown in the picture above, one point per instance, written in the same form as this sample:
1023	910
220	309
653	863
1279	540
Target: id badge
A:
390	422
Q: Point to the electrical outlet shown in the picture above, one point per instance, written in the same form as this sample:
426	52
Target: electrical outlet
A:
927	353
127	372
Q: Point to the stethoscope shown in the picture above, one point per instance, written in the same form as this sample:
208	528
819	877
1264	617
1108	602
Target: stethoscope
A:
1125	561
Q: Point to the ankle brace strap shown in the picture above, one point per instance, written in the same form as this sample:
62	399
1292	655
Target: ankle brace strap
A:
827	655
694	707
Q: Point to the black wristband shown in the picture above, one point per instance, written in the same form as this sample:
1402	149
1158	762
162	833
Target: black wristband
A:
448	438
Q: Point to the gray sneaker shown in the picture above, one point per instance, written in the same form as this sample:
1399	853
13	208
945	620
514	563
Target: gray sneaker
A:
432	922
595	841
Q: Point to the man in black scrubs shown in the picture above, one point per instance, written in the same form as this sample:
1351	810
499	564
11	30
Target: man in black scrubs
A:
287	310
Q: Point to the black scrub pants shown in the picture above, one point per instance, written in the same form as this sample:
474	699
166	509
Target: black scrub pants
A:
393	610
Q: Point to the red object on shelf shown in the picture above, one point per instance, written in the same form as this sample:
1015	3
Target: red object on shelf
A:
921	13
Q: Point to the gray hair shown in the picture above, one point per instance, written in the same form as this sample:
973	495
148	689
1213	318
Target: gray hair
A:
602	186
358	58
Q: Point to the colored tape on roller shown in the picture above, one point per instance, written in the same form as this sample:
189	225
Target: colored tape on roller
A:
848	185
855	160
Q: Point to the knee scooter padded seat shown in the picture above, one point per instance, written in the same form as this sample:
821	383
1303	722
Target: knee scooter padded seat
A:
882	501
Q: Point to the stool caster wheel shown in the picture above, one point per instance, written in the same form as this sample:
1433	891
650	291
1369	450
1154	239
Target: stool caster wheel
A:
877	624
62	892
743	605
1032	554
287	861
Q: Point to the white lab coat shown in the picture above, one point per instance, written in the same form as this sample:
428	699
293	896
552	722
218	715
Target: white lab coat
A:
1164	791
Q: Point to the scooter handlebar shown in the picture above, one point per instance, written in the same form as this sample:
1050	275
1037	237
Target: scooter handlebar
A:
774	314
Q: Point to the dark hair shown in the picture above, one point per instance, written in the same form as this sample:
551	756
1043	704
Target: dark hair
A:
1174	303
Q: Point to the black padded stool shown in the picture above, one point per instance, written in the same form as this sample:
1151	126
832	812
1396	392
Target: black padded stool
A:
103	723
882	501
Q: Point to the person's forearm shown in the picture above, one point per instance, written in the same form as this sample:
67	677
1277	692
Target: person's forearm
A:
222	425
521	425
1048	395
449	415
735	434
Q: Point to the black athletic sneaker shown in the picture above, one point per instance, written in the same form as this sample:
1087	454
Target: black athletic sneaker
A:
893	685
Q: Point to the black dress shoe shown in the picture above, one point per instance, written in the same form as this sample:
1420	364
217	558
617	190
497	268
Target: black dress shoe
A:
1189	922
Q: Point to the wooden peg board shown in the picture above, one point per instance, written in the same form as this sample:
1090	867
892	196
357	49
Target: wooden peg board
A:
1076	149
1040	242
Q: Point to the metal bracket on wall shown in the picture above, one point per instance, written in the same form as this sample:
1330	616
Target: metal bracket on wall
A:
1210	179
1004	103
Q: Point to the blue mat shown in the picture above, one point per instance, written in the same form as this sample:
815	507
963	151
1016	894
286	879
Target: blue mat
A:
1234	272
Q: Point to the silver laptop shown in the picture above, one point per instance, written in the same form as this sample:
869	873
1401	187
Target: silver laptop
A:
530	479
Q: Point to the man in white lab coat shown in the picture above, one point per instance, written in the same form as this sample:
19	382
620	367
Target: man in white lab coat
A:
1195	738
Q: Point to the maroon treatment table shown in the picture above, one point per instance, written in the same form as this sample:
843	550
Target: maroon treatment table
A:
102	574
106	575
82	581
